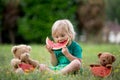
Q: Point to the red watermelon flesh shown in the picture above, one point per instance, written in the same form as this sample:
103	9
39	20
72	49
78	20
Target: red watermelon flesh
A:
56	46
26	67
100	71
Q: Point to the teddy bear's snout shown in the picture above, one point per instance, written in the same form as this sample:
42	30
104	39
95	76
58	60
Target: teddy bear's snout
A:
27	54
103	62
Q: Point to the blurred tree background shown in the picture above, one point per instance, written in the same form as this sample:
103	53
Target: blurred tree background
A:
30	21
113	10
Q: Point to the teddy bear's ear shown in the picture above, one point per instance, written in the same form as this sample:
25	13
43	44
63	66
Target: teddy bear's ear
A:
113	58
29	47
14	48
99	54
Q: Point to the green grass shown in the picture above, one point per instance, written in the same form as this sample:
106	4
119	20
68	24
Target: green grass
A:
39	53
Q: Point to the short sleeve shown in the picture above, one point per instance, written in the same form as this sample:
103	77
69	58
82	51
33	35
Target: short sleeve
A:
75	49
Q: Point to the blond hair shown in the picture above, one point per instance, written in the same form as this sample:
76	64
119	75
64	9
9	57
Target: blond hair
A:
66	25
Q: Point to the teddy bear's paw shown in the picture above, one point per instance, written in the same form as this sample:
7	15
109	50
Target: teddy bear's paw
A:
15	62
94	65
109	66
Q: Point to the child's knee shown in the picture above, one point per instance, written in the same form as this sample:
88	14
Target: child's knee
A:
77	63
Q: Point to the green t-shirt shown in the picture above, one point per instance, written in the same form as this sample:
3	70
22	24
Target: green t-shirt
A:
73	49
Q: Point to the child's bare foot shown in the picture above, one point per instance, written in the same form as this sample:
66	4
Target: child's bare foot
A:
44	68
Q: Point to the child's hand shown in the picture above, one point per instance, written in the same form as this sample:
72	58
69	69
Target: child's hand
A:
65	50
49	48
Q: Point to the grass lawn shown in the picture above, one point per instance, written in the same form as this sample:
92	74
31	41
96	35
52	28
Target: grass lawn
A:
39	53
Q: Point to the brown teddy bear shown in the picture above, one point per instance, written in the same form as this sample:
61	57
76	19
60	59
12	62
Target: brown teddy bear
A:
104	68
22	60
105	59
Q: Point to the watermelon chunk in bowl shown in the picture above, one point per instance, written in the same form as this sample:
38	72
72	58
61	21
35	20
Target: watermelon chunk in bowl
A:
56	46
100	71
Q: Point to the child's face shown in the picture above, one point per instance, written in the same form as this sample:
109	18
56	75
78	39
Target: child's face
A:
60	36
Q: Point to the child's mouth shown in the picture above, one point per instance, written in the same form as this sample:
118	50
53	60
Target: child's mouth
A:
62	41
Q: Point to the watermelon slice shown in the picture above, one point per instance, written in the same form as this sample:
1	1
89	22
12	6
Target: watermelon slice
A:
56	46
26	67
100	71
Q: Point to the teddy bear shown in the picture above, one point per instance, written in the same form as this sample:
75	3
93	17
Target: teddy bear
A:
104	68
105	59
22	60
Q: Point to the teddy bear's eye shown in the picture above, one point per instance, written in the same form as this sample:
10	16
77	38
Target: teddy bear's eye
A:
103	60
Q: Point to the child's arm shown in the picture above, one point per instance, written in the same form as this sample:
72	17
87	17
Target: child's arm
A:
68	55
53	59
52	55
